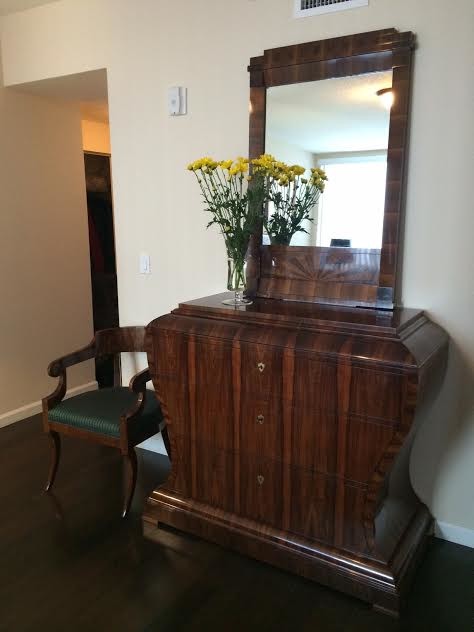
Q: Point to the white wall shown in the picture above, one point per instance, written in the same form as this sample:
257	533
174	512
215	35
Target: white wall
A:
205	45
44	252
291	154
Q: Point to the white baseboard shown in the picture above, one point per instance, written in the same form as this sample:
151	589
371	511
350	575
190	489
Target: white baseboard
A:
453	533
33	409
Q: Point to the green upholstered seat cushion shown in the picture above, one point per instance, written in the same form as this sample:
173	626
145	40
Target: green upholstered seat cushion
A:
99	411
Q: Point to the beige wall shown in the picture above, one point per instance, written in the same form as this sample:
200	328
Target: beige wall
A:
44	257
95	136
148	46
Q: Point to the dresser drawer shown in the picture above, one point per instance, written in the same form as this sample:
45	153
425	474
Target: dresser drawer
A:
347	446
260	427
366	444
261	370
315	384
324	385
375	394
260	495
314	439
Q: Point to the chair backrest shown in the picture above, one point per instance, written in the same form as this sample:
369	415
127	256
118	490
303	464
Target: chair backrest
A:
120	340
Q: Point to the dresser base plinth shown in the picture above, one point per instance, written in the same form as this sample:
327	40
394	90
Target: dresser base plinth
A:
382	585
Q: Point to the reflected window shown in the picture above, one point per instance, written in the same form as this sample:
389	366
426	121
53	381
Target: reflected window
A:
353	203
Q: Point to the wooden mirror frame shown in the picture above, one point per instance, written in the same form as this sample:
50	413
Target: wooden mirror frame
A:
346	276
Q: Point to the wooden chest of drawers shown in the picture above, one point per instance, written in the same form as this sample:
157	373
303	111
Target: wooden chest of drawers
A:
290	427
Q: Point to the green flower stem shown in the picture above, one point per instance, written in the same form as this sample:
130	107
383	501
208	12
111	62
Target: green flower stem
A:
234	206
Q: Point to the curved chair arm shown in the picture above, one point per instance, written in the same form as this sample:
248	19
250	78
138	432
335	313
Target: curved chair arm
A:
50	401
137	385
81	355
138	381
57	368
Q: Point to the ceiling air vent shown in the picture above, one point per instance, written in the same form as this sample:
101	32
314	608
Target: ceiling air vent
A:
305	8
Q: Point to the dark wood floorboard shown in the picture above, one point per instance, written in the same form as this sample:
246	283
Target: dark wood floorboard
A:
69	562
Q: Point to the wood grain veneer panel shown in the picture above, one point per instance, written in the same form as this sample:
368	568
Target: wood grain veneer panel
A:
322	487
306	273
212	481
375	394
312	504
366	444
210	380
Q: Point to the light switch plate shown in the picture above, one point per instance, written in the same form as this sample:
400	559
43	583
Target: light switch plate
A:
177	101
145	267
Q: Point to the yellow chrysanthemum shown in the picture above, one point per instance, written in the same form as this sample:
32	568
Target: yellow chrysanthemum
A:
298	170
264	163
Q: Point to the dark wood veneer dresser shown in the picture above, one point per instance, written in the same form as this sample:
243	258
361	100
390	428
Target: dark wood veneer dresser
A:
290	427
291	423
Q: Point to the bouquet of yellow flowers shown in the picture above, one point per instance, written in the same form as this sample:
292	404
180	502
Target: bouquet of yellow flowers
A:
293	196
235	207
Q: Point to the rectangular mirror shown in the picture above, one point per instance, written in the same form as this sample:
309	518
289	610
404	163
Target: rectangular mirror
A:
324	104
340	125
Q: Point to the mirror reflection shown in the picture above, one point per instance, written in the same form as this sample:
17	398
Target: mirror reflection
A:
342	126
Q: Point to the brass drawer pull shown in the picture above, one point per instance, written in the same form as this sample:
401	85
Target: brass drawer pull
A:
260	479
260	419
261	367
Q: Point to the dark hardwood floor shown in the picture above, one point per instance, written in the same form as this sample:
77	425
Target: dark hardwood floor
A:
69	562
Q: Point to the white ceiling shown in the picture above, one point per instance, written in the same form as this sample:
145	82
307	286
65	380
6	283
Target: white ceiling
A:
13	6
88	89
330	116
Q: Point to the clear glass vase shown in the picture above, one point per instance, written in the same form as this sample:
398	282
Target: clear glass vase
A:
236	281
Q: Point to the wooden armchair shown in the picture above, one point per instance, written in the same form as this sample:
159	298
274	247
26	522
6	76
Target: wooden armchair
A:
119	417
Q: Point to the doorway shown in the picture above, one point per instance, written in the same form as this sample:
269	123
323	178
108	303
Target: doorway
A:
102	254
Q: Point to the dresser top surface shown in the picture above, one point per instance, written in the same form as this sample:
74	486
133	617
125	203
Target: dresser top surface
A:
380	322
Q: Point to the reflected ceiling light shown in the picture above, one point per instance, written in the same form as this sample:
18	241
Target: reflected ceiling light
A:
386	96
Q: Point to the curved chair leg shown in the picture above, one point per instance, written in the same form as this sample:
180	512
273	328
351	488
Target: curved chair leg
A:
131	467
55	442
